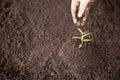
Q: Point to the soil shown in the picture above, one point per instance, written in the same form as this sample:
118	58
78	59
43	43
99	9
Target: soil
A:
36	41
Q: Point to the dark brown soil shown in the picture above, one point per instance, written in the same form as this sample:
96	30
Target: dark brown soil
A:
36	41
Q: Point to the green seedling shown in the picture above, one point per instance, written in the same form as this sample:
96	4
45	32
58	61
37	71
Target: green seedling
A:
82	37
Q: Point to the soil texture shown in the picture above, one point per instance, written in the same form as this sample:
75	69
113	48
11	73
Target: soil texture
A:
36	41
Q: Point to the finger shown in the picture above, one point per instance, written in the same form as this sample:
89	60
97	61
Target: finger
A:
85	17
83	5
74	6
84	20
78	23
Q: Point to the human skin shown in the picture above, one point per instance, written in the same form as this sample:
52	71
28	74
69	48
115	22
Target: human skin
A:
81	6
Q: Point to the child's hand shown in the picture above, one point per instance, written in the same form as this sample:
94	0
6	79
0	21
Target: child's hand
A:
79	5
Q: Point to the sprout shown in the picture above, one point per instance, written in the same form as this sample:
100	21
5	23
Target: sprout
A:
82	37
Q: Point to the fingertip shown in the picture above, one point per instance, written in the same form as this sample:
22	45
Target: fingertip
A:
83	23
79	15
75	21
78	23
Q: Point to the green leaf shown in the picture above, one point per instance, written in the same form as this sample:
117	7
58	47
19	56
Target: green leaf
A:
80	31
86	34
76	37
82	38
87	40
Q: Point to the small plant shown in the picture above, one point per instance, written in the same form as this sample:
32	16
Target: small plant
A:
82	37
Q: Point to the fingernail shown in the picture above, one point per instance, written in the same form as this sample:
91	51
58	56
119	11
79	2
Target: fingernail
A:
79	15
78	23
83	23
75	21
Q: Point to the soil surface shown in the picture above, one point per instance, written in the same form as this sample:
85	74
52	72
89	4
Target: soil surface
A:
36	41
